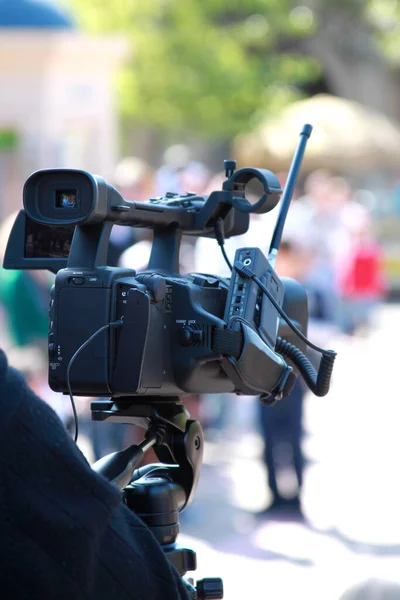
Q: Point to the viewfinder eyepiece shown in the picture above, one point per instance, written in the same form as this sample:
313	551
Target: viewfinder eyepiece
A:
65	197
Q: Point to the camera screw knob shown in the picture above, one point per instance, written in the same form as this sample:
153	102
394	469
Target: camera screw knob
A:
229	167
188	336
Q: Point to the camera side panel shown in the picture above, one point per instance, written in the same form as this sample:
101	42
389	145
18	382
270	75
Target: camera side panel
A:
79	308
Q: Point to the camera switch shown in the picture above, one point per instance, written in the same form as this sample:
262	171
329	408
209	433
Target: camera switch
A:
185	336
189	336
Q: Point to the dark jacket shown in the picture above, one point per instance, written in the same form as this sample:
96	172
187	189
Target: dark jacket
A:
64	533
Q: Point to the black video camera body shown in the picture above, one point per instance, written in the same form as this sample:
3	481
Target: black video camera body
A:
120	333
165	343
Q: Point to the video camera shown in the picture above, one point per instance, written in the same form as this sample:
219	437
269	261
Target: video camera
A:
147	339
158	333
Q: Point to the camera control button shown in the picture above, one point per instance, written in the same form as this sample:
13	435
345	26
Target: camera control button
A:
52	350
189	336
185	336
78	280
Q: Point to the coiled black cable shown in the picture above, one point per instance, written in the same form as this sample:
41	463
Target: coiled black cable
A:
317	382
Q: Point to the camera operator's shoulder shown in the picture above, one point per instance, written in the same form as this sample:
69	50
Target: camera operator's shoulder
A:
34	442
13	389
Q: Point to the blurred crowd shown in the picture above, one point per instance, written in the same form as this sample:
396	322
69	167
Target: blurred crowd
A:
329	246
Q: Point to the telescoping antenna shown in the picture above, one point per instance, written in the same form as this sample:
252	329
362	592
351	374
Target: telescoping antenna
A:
288	193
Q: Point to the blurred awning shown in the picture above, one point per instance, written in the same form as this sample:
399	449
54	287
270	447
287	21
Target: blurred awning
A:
346	135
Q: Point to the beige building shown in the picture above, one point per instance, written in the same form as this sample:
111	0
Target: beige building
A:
57	96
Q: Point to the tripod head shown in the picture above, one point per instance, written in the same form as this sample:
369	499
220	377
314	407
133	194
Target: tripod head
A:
178	441
158	492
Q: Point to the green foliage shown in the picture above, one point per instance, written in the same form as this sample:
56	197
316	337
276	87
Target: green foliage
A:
380	19
8	139
215	68
384	16
206	66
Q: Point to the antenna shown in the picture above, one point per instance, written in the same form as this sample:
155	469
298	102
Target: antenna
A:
288	193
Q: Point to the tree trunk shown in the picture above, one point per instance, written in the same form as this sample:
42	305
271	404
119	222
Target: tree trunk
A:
353	65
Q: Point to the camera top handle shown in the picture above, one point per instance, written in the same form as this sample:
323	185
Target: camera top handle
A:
96	206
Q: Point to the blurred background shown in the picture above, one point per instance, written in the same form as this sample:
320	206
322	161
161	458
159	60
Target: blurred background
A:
301	499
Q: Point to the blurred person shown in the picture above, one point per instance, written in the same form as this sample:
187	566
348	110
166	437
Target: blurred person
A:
303	206
167	178
208	257
361	278
316	219
350	211
133	178
194	178
65	532
179	173
282	424
24	296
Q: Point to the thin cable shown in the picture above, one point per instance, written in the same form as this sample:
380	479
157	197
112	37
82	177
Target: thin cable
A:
114	324
220	237
249	274
224	254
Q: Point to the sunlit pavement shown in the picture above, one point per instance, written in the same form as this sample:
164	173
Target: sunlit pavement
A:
351	496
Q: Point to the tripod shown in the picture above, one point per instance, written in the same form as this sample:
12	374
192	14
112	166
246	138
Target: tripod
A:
158	492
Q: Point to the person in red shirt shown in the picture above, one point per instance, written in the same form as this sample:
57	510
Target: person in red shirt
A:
361	277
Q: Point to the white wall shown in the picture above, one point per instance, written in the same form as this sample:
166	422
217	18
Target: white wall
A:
57	92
